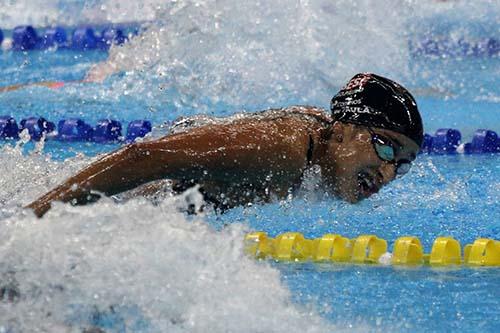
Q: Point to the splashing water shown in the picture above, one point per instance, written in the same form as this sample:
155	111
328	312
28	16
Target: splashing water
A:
222	54
258	55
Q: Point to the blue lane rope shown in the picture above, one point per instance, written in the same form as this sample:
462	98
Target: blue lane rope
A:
74	129
443	46
25	37
444	141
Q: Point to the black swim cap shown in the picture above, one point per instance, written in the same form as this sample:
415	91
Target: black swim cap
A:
372	100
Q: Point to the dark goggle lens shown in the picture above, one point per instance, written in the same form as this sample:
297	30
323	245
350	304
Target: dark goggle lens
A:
403	167
384	151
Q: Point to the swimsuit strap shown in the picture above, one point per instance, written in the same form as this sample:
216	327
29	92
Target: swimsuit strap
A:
310	150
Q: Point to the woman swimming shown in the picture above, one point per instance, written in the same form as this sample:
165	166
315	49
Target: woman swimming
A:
372	135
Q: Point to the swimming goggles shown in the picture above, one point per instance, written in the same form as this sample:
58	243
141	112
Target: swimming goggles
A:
385	150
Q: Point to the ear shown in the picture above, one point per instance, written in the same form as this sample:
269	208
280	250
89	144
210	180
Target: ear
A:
337	131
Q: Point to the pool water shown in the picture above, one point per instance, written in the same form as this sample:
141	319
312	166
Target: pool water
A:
142	266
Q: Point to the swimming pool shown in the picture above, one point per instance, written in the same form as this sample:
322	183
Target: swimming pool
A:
139	265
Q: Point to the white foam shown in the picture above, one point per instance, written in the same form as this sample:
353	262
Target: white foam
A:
253	55
232	53
385	259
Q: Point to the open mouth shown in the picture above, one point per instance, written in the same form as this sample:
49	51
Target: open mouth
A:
367	184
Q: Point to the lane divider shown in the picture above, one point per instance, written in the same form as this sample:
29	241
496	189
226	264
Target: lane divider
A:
444	141
26	38
74	129
448	141
456	47
369	249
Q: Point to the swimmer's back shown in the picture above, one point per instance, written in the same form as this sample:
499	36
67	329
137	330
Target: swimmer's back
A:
305	113
236	191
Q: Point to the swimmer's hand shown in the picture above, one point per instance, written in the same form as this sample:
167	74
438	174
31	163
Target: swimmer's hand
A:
99	72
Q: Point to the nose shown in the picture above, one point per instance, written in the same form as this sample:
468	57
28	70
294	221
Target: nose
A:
388	172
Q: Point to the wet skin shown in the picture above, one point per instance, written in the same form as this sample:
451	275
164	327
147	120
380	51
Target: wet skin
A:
242	161
351	167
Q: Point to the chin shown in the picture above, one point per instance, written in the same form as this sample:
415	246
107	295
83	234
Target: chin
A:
351	194
354	200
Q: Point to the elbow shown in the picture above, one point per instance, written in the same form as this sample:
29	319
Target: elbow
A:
38	207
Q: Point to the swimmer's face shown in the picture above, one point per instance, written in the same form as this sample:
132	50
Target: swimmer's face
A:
356	169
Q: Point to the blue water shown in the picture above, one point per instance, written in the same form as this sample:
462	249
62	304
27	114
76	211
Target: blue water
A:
454	196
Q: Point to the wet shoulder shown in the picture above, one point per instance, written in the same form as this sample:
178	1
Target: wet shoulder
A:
307	112
303	113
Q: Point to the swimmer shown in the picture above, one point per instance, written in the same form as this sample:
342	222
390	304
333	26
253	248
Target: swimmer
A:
96	74
372	135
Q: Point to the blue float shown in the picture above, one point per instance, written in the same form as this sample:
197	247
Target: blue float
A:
449	47
1	37
74	130
8	128
54	37
112	36
426	146
446	141
463	47
24	38
37	127
483	141
493	47
138	129
431	47
107	130
84	39
481	48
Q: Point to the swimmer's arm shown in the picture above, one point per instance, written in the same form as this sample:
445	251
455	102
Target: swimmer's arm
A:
100	71
97	73
48	84
217	153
